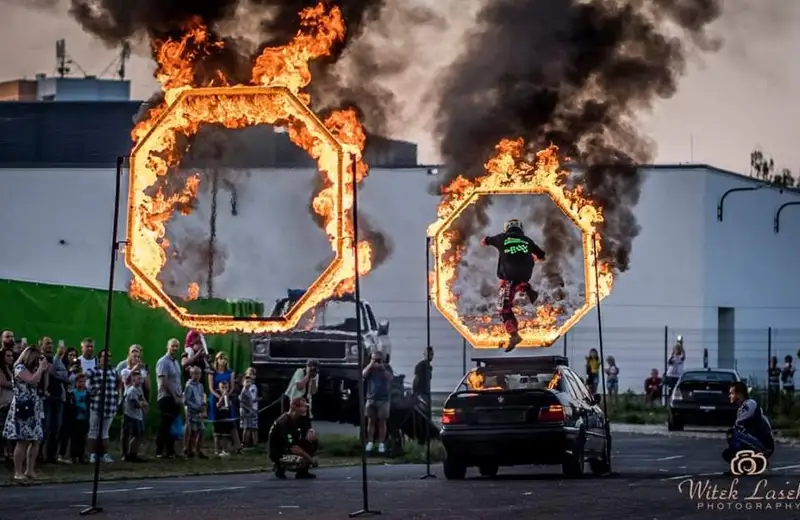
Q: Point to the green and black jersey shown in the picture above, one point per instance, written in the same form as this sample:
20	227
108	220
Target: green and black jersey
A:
516	259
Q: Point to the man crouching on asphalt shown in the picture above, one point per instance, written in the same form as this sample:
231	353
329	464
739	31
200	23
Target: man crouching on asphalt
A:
292	442
752	430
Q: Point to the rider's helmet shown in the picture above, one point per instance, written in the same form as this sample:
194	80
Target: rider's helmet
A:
513	224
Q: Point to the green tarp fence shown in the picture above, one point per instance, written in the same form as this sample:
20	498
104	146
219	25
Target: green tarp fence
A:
35	310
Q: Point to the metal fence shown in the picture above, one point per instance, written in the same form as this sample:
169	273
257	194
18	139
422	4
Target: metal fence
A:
636	350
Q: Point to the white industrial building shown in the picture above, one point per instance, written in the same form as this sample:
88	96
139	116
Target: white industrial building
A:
720	284
730	287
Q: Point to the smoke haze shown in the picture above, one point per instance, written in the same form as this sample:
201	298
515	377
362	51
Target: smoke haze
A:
576	74
353	75
245	28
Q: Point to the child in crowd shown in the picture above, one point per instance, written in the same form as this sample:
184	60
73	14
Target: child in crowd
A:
248	411
80	419
222	420
134	406
612	377
196	412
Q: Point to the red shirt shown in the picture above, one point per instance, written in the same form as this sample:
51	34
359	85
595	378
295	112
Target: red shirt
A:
652	386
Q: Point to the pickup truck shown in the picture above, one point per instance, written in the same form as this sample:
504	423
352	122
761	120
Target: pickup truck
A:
327	334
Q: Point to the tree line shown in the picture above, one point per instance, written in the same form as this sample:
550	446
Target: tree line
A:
763	167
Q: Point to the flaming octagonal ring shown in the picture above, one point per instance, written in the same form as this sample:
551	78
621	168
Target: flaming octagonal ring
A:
585	217
233	107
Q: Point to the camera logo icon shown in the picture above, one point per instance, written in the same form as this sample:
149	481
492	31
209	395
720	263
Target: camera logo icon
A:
748	463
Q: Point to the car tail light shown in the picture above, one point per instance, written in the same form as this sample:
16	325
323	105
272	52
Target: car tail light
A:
450	416
554	413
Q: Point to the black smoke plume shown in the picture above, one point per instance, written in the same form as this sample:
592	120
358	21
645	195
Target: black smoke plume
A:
574	73
117	21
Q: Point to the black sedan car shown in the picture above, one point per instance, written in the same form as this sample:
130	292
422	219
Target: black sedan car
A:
523	411
701	398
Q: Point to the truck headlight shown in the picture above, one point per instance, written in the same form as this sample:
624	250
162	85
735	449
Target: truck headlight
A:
261	348
353	349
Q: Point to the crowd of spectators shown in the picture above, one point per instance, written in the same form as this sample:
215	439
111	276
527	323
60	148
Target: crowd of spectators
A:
53	409
657	389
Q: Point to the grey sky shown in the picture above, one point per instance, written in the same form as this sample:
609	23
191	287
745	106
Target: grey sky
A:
746	95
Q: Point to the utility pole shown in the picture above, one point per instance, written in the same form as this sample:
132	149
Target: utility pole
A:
62	61
124	56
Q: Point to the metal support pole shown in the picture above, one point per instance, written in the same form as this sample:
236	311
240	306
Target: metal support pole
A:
778	214
666	362
463	356
365	510
721	204
93	508
427	291
566	334
769	367
428	473
602	354
212	233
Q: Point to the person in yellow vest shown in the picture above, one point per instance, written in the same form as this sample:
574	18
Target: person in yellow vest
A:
592	370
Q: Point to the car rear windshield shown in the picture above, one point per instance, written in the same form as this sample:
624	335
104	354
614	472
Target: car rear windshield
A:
708	377
499	379
336	315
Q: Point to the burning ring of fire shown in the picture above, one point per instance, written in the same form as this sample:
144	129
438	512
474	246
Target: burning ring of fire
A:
508	174
279	74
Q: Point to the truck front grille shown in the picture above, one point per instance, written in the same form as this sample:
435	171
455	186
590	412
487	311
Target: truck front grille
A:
307	350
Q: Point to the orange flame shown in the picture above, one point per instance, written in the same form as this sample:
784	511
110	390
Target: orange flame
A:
275	97
475	381
507	173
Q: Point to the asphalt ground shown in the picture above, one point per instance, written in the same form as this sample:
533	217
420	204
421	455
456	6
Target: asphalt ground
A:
651	481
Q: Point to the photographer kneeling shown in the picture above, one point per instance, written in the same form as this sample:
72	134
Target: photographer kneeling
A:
292	442
752	430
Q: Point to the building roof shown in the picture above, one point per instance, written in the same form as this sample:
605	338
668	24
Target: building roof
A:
672	167
65	134
92	134
78	134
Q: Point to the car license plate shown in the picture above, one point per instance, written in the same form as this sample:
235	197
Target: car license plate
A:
708	408
500	417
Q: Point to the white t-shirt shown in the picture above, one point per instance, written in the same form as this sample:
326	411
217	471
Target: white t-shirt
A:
675	368
87	364
787	376
292	392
